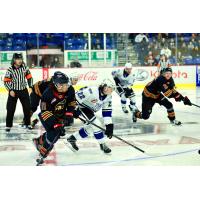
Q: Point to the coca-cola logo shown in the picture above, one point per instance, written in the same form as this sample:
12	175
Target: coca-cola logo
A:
89	76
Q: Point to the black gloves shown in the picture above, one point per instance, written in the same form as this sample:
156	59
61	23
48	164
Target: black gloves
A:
178	97
186	101
68	118
59	128
109	130
128	92
76	113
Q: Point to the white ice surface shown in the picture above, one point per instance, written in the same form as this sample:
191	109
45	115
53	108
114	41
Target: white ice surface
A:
165	144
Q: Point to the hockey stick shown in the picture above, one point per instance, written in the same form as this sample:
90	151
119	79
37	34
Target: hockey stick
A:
195	105
84	120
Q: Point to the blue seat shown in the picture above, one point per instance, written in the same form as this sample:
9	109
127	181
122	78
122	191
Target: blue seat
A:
187	39
7	48
2	42
18	42
80	47
19	48
188	61
31	35
197	61
19	35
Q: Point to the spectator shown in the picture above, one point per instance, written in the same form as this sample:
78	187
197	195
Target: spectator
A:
180	58
166	51
190	46
163	63
140	37
150	60
184	49
75	64
141	46
56	62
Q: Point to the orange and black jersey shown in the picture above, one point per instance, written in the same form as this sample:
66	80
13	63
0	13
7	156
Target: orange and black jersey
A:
160	84
17	78
54	105
40	86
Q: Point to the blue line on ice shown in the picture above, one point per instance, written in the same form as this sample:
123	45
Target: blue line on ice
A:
133	159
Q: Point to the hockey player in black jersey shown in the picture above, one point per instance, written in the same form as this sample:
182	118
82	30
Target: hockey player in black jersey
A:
35	96
57	105
156	92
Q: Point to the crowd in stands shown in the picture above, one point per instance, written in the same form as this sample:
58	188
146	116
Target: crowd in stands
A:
186	46
180	48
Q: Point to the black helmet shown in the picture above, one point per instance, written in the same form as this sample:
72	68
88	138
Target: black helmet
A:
16	56
60	78
168	69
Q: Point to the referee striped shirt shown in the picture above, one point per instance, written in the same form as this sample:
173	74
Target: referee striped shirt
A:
17	78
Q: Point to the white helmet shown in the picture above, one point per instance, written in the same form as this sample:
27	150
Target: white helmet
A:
128	65
107	83
74	76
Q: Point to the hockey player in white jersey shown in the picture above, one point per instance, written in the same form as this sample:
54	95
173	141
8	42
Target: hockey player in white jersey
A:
74	78
90	100
124	79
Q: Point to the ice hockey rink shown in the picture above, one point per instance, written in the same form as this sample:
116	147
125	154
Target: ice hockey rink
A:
163	143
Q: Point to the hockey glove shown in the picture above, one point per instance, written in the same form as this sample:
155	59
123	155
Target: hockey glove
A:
178	97
120	90
59	128
68	118
76	113
186	101
109	130
128	92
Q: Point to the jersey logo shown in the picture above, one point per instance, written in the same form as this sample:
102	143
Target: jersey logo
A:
165	86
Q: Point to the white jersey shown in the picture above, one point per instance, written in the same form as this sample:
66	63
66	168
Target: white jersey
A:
89	97
125	81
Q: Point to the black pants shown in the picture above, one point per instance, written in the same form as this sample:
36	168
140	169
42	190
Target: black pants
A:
11	106
148	103
35	101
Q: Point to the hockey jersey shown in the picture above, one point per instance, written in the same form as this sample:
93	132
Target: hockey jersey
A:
54	105
122	78
40	86
160	84
91	98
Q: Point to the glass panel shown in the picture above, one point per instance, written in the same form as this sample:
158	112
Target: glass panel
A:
76	50
51	53
72	49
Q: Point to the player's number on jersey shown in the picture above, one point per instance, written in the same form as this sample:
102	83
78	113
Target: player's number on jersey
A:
81	95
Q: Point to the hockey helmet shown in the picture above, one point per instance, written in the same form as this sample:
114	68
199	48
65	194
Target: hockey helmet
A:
60	78
74	76
168	69
107	83
128	65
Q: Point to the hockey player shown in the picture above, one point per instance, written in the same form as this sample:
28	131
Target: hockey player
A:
156	92
90	100
37	91
57	105
124	79
74	78
35	96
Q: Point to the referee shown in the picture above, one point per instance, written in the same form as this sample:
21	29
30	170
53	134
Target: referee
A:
15	81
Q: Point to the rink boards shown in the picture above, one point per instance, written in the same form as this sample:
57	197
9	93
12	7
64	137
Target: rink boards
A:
184	76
